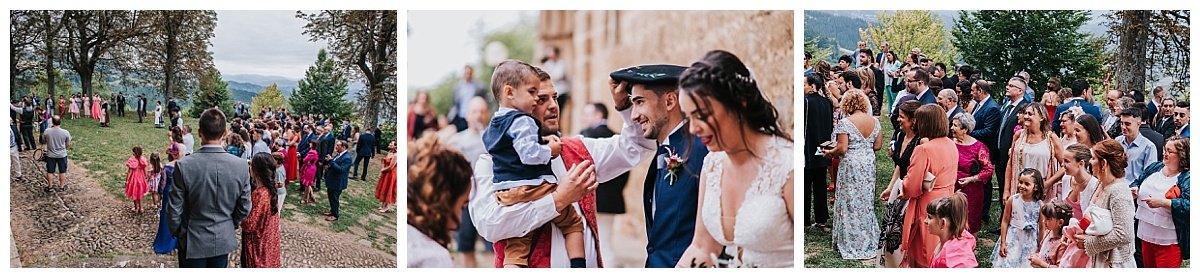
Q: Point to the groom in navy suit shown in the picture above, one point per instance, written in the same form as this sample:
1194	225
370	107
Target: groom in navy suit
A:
672	182
335	179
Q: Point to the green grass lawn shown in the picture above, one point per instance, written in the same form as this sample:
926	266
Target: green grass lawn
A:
103	152
819	251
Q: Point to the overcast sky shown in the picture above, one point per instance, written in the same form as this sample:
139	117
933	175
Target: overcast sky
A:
264	43
440	42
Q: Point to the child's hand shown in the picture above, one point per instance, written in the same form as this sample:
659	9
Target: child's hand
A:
1003	250
1079	240
1035	261
554	144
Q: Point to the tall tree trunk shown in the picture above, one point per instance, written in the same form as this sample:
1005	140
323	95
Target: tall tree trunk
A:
172	28
1131	50
51	37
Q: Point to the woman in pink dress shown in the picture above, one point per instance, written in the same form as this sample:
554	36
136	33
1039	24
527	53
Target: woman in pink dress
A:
135	182
974	169
309	177
96	107
939	157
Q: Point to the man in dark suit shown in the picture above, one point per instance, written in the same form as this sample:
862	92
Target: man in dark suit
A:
948	100
1014	98
141	107
120	104
876	96
323	139
1079	88
346	131
365	149
987	123
336	179
916	81
818	128
1165	120
670	196
210	198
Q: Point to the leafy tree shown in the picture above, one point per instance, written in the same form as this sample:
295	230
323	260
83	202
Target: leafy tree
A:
175	47
519	40
1151	45
213	92
24	36
363	43
1043	43
93	36
905	30
40	87
268	97
323	90
819	53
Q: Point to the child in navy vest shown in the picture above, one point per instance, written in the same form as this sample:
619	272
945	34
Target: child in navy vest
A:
521	163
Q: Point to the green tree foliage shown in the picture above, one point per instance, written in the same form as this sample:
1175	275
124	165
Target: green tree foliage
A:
268	97
813	45
833	31
213	92
1044	43
175	47
323	90
905	30
40	88
94	36
364	43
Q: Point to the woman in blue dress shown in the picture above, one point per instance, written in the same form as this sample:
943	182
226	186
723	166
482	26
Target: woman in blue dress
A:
164	241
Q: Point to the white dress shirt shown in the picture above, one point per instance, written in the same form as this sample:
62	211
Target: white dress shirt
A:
612	156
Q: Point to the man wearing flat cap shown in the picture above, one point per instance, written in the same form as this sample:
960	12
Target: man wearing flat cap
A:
672	182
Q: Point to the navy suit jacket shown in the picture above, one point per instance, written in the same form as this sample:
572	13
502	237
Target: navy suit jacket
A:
671	223
366	145
1089	108
304	141
1005	134
928	97
987	123
335	177
327	142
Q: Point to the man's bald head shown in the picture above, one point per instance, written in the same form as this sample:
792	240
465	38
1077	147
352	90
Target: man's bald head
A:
477	113
948	99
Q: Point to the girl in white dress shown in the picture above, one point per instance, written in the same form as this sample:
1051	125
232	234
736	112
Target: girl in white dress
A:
740	224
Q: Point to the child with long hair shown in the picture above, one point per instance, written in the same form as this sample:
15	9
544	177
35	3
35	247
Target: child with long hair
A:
155	176
135	181
1055	215
1019	236
947	219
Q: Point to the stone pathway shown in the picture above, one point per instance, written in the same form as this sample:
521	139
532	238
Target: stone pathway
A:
85	227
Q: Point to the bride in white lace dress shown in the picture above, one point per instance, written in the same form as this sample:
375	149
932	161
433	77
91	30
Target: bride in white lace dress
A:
752	222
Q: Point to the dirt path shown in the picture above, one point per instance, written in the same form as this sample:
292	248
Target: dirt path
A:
85	227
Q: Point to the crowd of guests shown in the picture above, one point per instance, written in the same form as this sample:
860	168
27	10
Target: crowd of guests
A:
708	126
1079	184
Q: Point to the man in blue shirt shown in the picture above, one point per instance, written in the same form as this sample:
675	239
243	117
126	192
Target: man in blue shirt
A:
1140	150
463	92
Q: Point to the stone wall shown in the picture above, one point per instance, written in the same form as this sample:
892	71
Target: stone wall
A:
595	43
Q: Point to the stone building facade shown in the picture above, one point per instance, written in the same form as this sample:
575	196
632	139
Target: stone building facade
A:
595	43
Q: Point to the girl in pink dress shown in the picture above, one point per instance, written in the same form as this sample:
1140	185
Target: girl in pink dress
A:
135	182
946	218
1055	215
309	177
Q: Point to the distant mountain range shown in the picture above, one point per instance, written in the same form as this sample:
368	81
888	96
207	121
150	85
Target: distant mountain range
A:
246	86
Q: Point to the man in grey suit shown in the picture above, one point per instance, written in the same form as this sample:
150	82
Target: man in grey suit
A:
210	198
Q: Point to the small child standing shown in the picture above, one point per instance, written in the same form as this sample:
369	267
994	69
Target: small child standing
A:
1055	215
521	163
1021	210
947	219
156	177
135	182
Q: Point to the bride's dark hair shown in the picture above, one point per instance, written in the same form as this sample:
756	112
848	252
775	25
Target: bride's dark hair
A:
723	77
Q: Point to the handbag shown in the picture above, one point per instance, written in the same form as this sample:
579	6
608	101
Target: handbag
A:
976	167
927	183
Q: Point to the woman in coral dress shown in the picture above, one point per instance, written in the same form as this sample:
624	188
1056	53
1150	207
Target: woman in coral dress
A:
135	182
938	157
385	190
260	230
96	107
